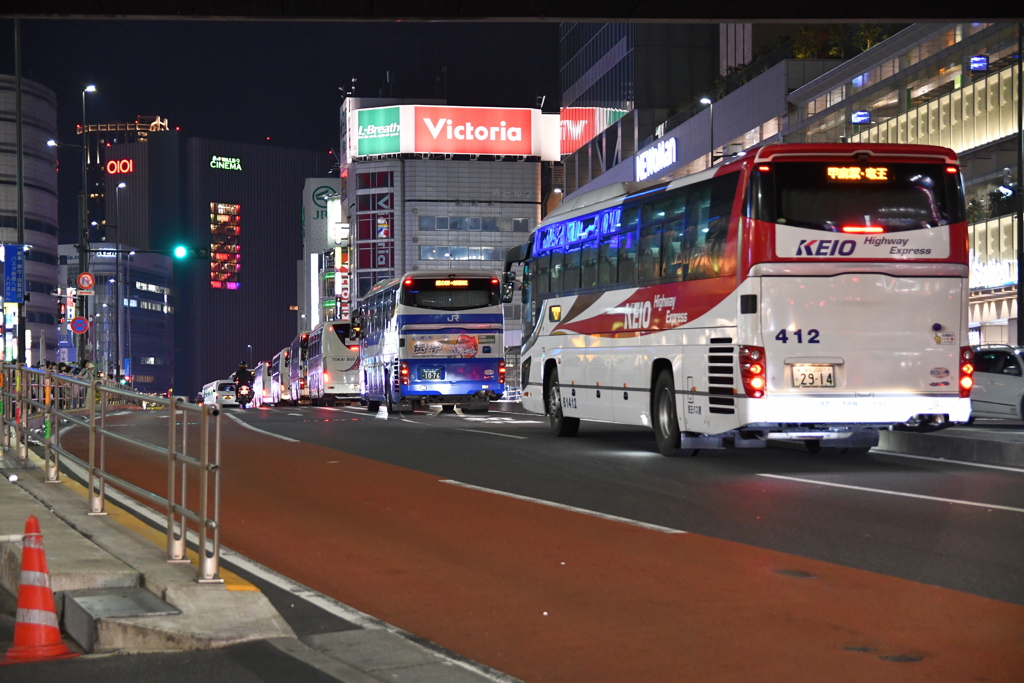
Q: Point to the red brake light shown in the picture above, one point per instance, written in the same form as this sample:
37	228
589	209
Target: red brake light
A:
327	377
501	372
354	348
863	229
966	371
494	281
952	169
404	372
408	281
764	169
752	371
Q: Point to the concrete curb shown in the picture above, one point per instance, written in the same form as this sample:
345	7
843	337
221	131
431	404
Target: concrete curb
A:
211	615
956	445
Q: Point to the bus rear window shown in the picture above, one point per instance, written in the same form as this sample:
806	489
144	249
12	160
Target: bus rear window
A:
448	294
342	330
832	196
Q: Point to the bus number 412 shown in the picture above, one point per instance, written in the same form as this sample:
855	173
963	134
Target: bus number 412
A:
812	336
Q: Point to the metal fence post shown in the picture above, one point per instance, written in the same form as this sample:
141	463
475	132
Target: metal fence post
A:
22	414
175	541
52	469
207	560
96	494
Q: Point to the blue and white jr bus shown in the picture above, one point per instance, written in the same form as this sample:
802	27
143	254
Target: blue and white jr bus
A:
432	338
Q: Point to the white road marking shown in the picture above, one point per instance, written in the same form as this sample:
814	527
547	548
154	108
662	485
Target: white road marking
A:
952	462
296	414
570	508
324	602
261	431
896	493
480	431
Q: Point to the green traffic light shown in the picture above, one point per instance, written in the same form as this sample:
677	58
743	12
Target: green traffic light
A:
180	251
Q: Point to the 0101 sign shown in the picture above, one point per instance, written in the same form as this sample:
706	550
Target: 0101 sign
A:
115	166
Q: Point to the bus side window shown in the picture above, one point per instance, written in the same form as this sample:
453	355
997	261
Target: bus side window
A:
557	261
588	263
629	218
650	252
674	267
627	258
541	277
571	270
608	259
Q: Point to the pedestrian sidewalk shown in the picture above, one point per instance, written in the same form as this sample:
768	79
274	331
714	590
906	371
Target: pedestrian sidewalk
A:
977	444
114	554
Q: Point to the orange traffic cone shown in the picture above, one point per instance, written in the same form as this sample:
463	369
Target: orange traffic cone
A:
36	633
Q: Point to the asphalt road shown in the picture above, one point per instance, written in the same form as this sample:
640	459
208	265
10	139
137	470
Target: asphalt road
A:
770	498
492	538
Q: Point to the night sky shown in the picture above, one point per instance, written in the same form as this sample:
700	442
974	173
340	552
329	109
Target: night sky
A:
245	81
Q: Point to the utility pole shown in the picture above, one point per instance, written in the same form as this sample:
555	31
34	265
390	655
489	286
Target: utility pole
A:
1020	177
21	177
83	231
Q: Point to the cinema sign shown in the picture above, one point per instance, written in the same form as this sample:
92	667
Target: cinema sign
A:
421	129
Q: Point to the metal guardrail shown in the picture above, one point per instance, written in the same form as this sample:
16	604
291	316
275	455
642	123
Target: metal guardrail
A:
36	404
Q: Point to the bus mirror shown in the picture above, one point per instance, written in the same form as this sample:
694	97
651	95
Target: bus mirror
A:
508	287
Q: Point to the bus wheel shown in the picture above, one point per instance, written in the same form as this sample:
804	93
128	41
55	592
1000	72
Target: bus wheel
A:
560	424
666	419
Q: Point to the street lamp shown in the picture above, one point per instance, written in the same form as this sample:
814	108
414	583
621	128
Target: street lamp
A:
711	112
83	229
249	346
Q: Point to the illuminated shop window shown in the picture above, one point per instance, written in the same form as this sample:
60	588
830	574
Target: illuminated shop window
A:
225	245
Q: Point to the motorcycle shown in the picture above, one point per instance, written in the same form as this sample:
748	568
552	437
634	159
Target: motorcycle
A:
244	395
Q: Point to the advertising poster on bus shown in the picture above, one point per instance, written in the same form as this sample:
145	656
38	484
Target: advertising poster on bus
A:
451	345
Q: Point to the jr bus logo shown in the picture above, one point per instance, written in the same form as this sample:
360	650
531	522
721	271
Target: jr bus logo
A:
825	247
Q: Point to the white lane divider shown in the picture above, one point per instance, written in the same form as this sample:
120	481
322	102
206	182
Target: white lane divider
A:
570	508
1004	468
261	431
480	431
895	493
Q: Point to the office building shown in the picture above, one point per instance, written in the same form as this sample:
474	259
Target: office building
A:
39	124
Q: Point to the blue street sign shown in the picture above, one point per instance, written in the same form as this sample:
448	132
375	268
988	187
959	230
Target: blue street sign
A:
14	273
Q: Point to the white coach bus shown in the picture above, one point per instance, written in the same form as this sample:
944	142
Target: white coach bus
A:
800	292
333	366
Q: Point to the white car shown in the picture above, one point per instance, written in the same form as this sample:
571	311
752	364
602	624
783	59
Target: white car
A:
998	382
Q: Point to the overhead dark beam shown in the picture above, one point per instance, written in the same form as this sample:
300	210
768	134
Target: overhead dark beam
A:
694	11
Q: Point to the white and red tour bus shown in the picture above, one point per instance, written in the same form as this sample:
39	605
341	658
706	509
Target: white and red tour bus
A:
811	292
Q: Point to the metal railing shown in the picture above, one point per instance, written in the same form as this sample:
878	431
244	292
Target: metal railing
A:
38	406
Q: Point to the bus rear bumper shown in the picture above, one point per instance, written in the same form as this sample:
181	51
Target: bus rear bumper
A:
853	411
423	398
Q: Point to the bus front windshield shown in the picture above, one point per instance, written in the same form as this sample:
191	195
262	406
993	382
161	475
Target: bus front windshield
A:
451	294
832	195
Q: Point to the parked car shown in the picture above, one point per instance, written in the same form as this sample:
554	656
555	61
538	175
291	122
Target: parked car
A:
998	382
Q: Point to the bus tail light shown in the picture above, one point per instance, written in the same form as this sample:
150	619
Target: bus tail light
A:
403	370
753	371
863	229
966	371
354	348
501	372
327	378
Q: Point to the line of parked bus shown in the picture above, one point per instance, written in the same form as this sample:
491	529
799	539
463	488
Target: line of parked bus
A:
420	340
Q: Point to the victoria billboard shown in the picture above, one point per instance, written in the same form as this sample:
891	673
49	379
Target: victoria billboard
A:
421	129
